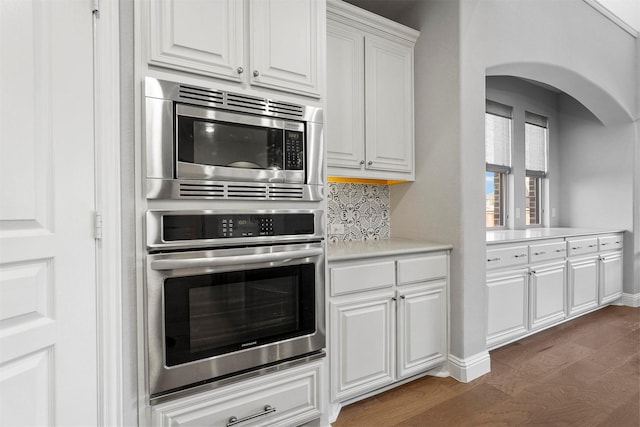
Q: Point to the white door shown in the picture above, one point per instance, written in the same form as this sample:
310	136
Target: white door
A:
507	303
47	253
582	277
547	285
610	277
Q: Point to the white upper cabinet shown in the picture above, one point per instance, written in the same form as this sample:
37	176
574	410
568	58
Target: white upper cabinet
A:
370	107
276	44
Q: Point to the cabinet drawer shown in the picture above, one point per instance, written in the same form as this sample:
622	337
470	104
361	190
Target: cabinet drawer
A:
504	257
582	246
608	243
414	270
287	398
362	277
546	251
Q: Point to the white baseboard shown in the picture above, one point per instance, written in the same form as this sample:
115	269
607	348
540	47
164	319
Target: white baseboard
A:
470	368
630	300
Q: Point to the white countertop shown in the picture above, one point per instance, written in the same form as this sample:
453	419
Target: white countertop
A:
505	236
340	251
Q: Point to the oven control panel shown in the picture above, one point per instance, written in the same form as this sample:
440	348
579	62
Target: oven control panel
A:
183	227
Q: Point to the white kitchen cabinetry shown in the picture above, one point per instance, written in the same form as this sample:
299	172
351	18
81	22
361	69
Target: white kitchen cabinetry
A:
534	285
388	321
370	107
275	44
507	305
290	397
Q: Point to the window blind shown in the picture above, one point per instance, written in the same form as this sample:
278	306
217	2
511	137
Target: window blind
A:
535	144
498	137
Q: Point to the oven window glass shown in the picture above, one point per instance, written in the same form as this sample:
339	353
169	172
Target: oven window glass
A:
209	315
217	143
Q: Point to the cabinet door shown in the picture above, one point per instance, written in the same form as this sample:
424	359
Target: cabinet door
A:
583	285
285	44
422	326
507	301
547	286
345	97
199	36
389	105
610	277
362	337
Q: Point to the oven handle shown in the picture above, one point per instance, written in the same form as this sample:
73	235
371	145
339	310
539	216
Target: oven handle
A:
174	264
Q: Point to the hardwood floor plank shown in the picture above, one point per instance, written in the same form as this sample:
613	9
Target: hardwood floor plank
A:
585	372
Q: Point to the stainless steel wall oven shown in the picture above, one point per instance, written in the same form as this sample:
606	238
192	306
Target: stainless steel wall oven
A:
230	292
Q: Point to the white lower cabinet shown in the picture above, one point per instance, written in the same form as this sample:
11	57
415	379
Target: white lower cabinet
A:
287	398
610	268
583	284
539	284
387	323
507	305
547	291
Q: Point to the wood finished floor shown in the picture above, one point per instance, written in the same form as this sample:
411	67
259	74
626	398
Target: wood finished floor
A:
585	372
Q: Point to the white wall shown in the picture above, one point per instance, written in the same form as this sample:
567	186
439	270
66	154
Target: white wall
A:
566	44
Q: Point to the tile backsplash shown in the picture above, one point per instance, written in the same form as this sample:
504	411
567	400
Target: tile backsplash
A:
362	209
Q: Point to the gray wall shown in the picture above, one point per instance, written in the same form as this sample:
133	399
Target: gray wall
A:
566	44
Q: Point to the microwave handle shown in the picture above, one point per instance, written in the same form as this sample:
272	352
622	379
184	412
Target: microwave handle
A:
174	264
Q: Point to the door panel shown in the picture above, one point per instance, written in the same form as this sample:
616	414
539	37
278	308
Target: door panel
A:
47	253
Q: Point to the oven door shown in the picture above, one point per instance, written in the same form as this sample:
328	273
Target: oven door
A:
226	146
216	313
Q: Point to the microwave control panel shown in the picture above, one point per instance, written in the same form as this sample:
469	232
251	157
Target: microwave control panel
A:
294	150
225	226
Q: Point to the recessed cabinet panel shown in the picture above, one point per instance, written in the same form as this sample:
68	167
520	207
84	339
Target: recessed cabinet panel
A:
422	337
583	285
587	246
414	270
285	44
389	105
507	256
362	330
610	277
203	37
547	287
547	251
345	96
362	277
507	303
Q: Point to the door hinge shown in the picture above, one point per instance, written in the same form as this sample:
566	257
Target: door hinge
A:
97	225
95	8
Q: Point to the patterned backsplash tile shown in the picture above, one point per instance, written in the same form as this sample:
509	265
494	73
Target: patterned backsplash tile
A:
363	209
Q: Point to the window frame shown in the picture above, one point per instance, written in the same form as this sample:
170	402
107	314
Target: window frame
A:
503	171
533	119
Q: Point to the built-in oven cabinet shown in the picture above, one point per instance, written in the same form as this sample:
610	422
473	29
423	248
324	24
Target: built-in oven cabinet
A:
288	398
388	321
210	38
370	106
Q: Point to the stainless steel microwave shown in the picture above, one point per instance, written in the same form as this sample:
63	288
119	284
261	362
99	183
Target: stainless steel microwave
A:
204	143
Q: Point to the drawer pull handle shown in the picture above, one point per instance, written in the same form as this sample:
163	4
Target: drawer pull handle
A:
520	255
576	247
604	244
493	259
268	409
592	246
617	243
560	250
539	253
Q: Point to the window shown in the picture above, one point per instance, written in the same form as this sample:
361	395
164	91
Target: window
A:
498	162
535	151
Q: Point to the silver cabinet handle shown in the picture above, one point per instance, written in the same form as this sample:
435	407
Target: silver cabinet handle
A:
174	264
539	253
256	73
240	70
402	296
560	250
520	255
268	409
592	246
369	163
493	259
604	244
576	247
361	162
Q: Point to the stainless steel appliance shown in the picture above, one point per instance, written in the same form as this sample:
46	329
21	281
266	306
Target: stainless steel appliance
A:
204	143
230	293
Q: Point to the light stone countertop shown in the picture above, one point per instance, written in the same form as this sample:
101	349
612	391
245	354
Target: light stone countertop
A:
341	251
508	236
